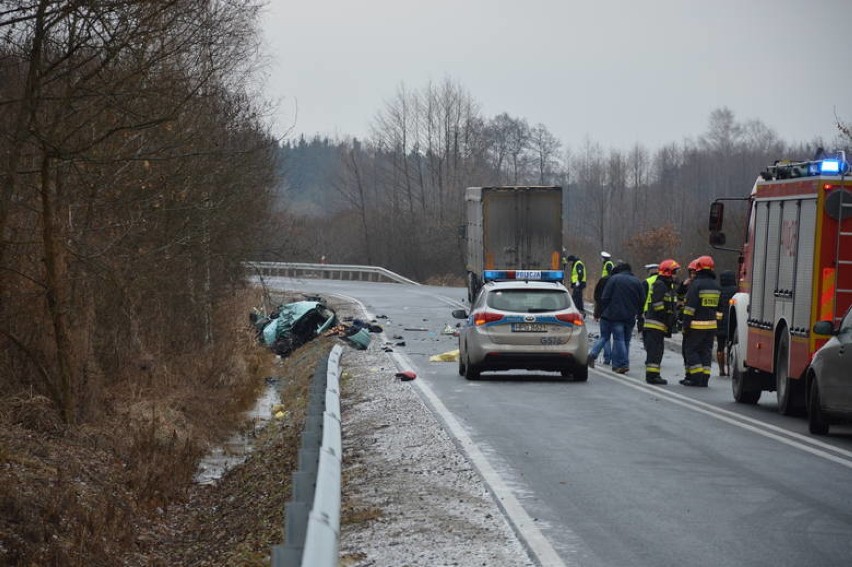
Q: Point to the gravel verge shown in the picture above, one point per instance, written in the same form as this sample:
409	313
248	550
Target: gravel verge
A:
410	496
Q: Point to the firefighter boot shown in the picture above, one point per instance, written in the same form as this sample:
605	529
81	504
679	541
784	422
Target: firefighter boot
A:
655	379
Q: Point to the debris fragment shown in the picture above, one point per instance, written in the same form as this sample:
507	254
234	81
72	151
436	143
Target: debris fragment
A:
450	356
406	375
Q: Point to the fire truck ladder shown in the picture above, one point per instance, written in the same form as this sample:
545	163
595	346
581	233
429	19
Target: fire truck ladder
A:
844	210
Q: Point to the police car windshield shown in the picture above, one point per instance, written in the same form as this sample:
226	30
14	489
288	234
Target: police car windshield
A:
528	301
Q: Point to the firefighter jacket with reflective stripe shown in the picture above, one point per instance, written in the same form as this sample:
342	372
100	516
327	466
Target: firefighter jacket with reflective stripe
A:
662	305
578	274
702	310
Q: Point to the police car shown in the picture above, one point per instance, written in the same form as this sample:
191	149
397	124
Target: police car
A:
523	320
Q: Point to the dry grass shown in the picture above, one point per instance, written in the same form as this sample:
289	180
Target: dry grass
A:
110	488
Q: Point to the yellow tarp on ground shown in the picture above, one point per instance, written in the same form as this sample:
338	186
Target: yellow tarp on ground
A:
452	356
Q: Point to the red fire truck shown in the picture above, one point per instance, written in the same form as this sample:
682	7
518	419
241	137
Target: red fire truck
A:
795	268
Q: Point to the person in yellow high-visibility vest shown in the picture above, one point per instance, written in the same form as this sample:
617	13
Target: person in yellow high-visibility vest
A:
577	281
647	285
606	264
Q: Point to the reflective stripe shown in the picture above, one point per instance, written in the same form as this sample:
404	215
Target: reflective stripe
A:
689	310
703	325
695	370
656	325
709	297
652	368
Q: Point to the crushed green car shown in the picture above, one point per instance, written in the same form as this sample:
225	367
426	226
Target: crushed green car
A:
295	324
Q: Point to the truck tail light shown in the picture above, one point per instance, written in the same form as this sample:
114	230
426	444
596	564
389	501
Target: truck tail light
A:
483	317
574	318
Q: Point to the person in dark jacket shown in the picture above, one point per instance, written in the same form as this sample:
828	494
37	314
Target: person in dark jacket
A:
728	283
622	301
605	339
700	321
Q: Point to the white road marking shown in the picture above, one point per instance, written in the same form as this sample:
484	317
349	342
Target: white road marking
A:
791	438
528	532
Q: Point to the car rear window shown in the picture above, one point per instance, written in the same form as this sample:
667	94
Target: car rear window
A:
528	301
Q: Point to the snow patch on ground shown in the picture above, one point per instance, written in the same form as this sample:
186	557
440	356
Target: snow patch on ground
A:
410	496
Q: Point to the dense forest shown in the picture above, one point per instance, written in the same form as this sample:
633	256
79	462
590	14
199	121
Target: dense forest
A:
395	199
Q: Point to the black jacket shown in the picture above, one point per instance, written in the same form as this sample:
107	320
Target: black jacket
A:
623	297
599	287
701	311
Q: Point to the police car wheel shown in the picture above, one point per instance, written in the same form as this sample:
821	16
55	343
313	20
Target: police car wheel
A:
471	371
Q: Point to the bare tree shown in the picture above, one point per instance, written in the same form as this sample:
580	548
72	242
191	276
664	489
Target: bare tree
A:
545	147
126	113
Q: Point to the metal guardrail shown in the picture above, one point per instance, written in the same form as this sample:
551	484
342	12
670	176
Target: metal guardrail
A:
312	516
327	271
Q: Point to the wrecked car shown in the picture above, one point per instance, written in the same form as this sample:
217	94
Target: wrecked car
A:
297	323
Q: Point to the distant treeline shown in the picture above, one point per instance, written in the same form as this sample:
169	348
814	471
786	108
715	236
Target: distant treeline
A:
395	199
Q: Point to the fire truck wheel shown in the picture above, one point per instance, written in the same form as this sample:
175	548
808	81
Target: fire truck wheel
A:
784	387
817	422
741	380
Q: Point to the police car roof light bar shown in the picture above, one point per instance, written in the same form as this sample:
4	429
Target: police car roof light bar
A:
524	275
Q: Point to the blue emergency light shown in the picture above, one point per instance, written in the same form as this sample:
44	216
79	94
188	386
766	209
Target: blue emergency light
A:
525	275
829	166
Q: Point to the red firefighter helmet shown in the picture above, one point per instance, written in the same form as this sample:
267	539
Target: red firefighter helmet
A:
693	266
704	263
668	268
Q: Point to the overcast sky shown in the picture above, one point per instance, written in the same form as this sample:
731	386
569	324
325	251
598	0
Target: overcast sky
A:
614	71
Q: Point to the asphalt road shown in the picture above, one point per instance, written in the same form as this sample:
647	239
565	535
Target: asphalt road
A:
615	472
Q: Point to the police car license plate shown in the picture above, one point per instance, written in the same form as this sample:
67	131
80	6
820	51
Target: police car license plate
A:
529	328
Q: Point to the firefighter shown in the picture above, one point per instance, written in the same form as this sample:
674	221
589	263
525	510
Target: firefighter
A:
660	313
652	270
606	264
700	320
577	281
682	288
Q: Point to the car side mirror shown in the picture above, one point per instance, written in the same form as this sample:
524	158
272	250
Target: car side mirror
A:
459	314
824	328
717	239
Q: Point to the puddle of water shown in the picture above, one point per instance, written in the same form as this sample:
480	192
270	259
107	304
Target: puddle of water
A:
237	449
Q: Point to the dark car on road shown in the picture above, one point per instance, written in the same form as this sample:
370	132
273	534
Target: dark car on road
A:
829	377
